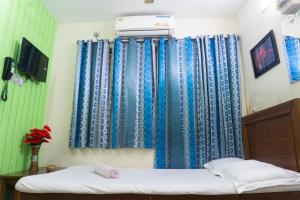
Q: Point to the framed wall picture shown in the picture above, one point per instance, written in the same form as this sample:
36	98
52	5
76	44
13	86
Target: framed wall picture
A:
264	55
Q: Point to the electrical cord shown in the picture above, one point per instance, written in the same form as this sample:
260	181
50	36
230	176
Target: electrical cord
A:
4	92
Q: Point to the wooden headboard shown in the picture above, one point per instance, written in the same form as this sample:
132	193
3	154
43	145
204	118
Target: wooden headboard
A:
273	135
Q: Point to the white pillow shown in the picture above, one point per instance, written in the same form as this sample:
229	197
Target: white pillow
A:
249	175
218	166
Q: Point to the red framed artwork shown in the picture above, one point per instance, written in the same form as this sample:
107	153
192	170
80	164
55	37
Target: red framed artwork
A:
265	55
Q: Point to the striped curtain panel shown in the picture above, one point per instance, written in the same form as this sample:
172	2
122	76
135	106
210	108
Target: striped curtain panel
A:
180	97
90	118
199	109
133	114
292	52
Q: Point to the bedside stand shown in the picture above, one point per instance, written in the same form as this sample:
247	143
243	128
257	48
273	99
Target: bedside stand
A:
10	179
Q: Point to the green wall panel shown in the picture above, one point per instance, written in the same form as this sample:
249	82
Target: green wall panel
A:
25	107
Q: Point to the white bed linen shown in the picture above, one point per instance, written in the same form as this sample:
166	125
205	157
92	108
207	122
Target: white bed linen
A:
82	180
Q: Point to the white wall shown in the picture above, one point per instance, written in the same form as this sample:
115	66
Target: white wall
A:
61	92
273	87
291	28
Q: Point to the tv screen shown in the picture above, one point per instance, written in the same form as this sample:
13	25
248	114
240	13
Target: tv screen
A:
33	63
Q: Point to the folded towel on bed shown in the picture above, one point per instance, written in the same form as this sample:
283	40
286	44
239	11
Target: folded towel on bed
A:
106	171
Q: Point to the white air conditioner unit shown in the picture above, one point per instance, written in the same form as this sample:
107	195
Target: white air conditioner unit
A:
141	26
288	6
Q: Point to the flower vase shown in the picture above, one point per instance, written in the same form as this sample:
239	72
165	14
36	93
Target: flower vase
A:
34	166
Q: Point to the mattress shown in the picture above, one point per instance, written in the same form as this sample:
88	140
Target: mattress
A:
83	180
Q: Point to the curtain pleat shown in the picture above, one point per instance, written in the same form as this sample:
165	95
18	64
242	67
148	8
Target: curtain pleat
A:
73	130
118	99
140	117
235	94
103	109
148	95
82	109
162	129
183	101
191	103
116	92
175	107
130	98
95	104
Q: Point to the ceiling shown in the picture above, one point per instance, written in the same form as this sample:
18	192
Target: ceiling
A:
102	10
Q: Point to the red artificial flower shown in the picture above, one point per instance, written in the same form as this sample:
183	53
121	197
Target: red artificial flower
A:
34	130
47	128
38	136
44	140
27	140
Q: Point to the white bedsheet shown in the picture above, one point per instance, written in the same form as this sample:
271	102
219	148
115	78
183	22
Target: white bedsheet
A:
82	180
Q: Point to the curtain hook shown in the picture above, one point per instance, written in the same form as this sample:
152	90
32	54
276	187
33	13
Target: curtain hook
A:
96	34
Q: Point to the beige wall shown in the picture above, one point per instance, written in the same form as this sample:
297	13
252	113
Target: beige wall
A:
273	87
61	85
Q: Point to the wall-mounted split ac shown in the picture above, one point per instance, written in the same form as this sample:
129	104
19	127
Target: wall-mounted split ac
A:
142	26
288	6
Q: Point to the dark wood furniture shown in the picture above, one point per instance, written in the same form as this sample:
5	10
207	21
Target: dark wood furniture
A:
271	135
9	180
263	196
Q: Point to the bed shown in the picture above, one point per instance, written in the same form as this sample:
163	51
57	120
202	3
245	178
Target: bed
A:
277	128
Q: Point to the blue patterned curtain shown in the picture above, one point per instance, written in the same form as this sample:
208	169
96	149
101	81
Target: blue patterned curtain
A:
133	112
199	109
183	99
292	52
90	124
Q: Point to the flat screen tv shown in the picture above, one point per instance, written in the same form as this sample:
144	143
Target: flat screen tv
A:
33	63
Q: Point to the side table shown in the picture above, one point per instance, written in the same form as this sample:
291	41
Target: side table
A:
10	179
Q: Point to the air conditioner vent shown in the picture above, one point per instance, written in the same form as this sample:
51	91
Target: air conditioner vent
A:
288	6
142	26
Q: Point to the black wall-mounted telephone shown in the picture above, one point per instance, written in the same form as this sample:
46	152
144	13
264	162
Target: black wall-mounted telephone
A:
9	68
8	71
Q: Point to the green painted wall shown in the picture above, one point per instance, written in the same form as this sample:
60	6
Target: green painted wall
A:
25	107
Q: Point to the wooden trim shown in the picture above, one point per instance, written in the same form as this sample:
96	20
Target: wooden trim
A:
269	113
255	196
295	122
2	189
17	195
246	142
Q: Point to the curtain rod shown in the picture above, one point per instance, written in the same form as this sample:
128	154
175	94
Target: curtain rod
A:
126	39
